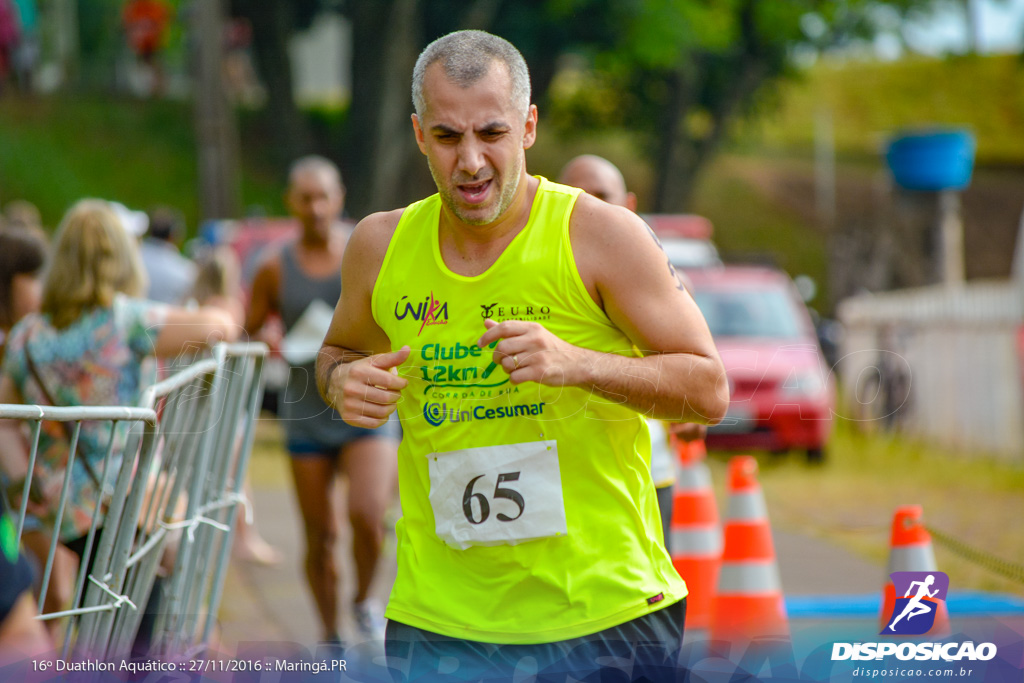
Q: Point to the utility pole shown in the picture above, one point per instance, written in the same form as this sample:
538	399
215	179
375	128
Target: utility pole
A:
951	240
65	40
972	16
216	128
825	169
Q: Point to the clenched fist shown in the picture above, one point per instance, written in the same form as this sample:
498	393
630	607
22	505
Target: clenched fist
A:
366	392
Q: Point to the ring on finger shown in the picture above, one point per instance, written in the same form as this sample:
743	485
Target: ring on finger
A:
515	360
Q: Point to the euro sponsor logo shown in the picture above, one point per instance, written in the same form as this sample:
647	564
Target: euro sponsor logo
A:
519	311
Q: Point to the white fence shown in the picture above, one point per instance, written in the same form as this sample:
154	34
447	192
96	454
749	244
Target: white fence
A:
958	351
192	434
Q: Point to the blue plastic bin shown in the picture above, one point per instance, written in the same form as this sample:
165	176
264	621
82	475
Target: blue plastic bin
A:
932	160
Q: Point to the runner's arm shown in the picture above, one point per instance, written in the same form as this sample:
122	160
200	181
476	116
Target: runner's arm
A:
263	301
681	376
364	393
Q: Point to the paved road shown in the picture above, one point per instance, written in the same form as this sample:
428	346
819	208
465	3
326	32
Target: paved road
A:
272	604
264	603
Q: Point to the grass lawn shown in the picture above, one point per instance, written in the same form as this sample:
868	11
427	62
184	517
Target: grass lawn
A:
850	501
867	101
57	150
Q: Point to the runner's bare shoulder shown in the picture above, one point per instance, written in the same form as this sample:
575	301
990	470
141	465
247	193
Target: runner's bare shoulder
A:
369	243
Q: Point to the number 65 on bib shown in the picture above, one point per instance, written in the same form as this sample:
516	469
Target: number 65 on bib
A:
497	495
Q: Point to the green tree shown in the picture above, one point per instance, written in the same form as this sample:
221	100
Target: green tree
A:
678	73
681	72
274	22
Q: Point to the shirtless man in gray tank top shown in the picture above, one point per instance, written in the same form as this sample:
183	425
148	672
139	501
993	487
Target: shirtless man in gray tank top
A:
305	273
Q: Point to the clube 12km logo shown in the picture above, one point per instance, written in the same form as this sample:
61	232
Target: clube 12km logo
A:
918	595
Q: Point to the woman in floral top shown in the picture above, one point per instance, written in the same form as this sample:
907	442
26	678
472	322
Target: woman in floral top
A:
88	345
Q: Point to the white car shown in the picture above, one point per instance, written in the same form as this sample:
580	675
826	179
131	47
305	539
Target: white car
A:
686	238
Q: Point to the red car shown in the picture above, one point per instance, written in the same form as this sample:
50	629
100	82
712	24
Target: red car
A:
782	393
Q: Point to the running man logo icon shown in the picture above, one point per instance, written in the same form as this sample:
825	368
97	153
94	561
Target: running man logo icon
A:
914	613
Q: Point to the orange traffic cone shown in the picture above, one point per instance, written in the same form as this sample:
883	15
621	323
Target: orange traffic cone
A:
695	533
910	550
749	601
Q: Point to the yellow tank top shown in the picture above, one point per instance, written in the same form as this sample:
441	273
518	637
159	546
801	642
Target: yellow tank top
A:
529	511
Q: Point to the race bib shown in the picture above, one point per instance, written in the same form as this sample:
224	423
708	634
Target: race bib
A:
497	495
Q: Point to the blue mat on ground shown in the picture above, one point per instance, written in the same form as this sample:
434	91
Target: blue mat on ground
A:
962	603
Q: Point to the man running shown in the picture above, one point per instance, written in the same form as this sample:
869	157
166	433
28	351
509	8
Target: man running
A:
916	605
500	318
302	277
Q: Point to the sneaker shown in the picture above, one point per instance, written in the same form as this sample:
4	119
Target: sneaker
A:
330	648
369	620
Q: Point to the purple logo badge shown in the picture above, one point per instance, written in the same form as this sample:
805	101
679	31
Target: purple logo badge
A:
917	600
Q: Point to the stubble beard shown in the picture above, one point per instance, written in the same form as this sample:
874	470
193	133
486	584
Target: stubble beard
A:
507	194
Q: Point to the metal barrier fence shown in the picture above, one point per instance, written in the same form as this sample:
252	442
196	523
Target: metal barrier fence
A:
167	509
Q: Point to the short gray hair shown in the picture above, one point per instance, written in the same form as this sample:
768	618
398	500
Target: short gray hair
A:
317	164
466	57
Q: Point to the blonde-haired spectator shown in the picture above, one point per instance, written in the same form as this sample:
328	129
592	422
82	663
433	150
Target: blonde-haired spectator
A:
86	347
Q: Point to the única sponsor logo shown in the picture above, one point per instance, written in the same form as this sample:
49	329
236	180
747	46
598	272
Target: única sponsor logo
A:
429	311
